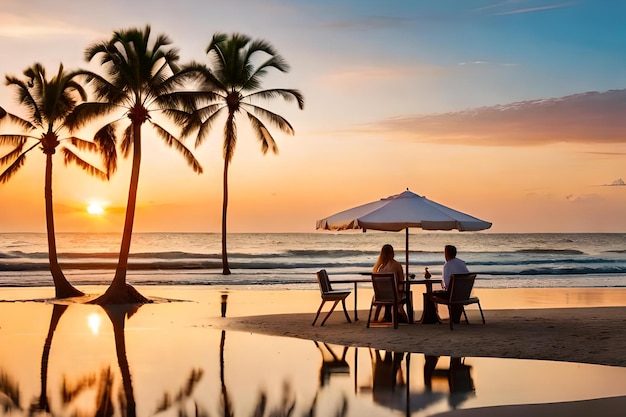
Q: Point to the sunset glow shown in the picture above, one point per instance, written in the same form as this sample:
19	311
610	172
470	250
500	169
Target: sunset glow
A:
95	208
511	111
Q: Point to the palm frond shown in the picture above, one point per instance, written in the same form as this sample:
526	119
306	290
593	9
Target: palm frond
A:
13	168
12	155
173	142
284	93
263	135
205	127
106	140
70	157
260	45
187	100
82	144
127	141
276	119
85	113
105	90
18	121
254	80
26	99
199	120
230	139
15	140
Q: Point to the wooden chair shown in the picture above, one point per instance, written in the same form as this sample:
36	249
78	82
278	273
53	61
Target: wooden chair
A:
458	297
328	294
386	294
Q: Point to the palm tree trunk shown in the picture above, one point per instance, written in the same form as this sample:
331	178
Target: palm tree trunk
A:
62	287
225	268
119	292
122	264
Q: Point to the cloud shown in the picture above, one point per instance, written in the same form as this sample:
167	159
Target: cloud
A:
501	64
368	22
14	26
591	117
509	7
357	75
536	9
617	183
584	198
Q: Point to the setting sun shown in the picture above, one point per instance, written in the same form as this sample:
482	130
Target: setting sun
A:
95	209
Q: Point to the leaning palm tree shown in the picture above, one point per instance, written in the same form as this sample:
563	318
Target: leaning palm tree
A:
234	83
140	78
49	104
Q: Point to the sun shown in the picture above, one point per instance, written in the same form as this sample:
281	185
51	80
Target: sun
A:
95	209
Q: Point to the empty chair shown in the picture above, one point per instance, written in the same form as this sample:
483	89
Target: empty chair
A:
328	294
386	294
458	297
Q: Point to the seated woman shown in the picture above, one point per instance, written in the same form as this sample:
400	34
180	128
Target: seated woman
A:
387	264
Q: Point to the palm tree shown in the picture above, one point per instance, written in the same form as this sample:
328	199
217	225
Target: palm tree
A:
49	104
234	83
140	78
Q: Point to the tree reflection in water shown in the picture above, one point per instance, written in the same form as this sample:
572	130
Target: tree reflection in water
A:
97	394
9	393
71	391
41	404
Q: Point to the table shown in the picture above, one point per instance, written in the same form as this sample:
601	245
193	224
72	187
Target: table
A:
354	281
429	312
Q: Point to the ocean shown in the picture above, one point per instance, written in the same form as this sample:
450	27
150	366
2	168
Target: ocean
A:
290	260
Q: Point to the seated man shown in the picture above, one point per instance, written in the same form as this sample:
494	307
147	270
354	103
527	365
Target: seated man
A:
453	265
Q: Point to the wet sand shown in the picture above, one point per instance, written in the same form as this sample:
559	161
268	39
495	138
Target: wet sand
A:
574	325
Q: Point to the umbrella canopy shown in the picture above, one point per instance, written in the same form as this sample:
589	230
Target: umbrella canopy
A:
402	211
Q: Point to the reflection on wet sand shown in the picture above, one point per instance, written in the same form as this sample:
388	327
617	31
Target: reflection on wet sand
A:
41	404
458	376
210	372
9	393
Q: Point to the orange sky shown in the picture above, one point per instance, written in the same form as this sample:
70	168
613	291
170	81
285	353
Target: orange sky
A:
508	116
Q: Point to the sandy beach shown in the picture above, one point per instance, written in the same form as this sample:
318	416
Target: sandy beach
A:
570	325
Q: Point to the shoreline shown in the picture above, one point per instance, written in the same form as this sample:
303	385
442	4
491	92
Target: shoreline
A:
583	325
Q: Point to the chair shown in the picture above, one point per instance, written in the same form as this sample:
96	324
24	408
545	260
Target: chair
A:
386	294
458	297
328	294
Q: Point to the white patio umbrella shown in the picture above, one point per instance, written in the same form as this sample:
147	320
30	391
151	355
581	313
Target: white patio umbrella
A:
402	211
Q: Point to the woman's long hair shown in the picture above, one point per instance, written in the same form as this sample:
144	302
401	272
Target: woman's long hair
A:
386	255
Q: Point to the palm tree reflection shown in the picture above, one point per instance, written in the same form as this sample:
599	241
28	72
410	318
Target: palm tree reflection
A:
9	394
117	314
390	385
185	393
41	404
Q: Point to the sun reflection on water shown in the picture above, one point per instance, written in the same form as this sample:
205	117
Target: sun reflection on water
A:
94	321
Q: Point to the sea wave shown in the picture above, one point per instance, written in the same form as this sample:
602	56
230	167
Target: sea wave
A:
288	259
286	253
591	266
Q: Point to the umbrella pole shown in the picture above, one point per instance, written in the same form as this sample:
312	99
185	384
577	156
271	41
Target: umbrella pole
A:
407	256
409	301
